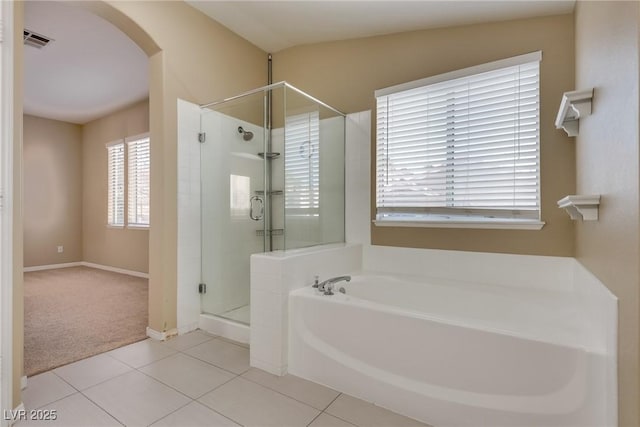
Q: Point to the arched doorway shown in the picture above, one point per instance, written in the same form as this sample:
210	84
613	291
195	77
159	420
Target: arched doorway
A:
11	390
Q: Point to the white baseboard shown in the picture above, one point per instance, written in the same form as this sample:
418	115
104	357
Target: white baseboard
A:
52	266
87	264
155	335
23	382
116	269
187	328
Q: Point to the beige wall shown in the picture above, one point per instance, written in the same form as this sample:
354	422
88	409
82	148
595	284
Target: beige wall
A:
345	74
190	57
52	191
607	159
117	247
198	60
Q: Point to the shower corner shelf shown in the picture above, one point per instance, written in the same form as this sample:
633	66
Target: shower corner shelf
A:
581	207
574	106
269	156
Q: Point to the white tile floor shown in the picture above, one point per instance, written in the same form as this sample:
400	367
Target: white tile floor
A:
191	381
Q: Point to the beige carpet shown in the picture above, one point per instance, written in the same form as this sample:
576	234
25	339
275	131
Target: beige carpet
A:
73	313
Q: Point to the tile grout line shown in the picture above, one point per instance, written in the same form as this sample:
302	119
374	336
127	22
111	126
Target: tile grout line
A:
189	397
210	391
219	413
135	370
241	375
286	395
131	368
315	418
334	399
236	376
342	419
87	397
173	388
150	363
212	364
324	411
103	409
172	412
175	352
98	383
175	337
63	397
189	347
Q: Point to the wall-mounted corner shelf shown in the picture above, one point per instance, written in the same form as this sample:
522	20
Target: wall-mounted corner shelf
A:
581	207
574	106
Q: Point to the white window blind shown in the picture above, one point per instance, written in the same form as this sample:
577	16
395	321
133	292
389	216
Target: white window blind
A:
138	185
302	164
115	168
461	146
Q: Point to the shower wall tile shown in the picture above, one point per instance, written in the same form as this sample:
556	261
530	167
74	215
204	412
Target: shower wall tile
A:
541	272
273	276
266	266
300	271
358	178
330	223
267	303
188	250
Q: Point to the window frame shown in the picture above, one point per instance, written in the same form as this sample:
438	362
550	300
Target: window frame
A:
111	223
459	217
306	120
129	141
125	171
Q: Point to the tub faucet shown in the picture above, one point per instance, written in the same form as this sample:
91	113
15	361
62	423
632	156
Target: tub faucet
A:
327	285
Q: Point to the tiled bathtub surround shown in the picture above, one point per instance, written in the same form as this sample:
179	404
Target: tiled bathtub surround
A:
537	285
273	276
357	155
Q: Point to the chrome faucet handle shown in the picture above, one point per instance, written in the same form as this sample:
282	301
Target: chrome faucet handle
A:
316	281
328	289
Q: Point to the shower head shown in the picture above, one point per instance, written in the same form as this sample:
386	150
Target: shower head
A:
246	135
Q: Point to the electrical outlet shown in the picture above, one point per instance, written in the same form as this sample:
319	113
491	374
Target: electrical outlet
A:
60	249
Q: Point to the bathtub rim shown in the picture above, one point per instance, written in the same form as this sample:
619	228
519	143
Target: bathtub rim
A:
346	299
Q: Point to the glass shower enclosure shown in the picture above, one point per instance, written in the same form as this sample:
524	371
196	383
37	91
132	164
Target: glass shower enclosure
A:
272	178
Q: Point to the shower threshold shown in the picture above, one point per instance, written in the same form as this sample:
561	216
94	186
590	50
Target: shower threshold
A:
240	314
221	326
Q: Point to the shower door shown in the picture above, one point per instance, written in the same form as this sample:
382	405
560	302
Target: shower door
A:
232	202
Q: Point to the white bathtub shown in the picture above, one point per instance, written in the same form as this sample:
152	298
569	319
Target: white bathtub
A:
451	353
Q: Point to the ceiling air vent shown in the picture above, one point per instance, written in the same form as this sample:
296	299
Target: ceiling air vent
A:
35	39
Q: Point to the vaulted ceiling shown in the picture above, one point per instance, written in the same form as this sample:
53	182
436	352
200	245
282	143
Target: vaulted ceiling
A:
91	68
277	25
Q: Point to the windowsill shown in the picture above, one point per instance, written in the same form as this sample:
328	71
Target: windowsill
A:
138	227
478	223
132	227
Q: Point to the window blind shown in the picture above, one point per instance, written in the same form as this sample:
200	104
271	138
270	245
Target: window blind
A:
139	189
467	146
302	164
115	170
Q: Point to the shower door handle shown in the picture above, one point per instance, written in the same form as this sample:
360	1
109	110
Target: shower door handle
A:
260	213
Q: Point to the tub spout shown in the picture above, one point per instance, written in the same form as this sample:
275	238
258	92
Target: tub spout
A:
327	285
